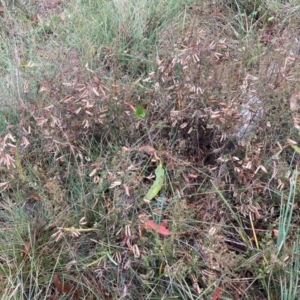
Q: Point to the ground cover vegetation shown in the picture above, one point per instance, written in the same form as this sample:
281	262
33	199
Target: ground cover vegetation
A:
149	149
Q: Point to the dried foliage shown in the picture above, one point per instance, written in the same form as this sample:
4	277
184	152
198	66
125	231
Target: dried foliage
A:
79	162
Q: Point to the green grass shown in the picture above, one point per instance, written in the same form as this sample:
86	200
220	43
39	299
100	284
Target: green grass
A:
94	96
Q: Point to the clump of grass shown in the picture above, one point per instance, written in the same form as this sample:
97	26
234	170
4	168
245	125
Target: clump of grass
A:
123	35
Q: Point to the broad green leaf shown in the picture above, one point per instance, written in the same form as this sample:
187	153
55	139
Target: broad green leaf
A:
157	184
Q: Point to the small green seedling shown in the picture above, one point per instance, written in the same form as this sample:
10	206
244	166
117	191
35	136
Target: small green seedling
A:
140	112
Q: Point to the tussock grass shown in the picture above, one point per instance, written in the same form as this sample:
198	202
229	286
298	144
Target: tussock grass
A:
95	94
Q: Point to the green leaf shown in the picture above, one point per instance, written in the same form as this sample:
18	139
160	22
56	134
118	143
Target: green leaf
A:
296	148
140	112
157	184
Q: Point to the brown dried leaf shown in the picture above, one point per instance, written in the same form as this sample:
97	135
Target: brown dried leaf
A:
115	183
130	106
35	197
159	228
70	264
147	276
126	188
148	149
191	175
217	294
96	80
52	4
25	252
65	288
294	102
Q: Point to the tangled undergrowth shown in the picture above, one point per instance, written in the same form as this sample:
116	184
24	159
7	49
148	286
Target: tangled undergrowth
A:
211	102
